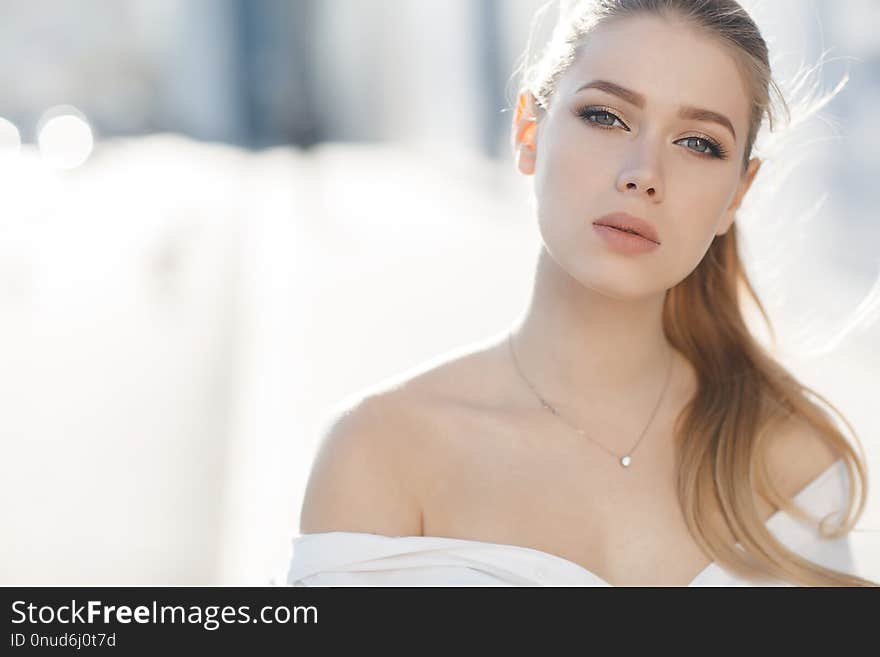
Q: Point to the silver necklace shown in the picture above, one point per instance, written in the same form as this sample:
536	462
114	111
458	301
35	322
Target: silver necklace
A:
624	460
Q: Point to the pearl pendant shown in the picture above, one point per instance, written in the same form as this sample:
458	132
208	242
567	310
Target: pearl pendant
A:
625	461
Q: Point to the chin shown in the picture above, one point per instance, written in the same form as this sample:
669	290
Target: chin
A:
622	288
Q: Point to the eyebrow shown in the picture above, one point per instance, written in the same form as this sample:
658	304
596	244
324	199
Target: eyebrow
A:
637	99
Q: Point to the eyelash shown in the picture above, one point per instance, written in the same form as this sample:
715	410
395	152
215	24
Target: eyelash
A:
716	150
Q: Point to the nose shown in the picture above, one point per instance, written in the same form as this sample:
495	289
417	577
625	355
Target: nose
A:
641	178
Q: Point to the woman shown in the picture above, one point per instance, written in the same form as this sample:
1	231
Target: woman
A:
628	430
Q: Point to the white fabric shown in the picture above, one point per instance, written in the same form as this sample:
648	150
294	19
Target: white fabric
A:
342	558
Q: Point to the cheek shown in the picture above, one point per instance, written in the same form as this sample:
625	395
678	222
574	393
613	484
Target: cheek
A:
691	232
574	175
686	252
700	205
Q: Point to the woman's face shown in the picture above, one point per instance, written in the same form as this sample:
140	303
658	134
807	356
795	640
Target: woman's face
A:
596	152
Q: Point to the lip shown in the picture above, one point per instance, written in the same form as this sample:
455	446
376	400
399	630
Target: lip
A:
624	221
625	243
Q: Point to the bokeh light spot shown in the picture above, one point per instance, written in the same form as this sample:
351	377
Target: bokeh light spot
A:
65	139
10	140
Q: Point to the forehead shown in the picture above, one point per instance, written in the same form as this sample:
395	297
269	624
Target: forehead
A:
667	61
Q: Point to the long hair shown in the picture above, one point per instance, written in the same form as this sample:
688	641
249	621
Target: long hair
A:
743	393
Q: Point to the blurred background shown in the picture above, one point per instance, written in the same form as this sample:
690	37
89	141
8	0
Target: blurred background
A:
220	218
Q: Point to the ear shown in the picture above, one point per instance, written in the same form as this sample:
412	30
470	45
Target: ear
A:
525	132
743	187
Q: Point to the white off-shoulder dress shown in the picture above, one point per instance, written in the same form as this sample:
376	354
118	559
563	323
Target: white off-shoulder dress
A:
343	558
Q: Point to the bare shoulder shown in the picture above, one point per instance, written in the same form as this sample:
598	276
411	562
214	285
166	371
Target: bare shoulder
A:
798	454
356	481
365	475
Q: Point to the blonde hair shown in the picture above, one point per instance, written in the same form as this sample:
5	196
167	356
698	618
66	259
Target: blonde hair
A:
743	393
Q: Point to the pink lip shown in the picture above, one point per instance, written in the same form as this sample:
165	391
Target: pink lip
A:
623	221
625	243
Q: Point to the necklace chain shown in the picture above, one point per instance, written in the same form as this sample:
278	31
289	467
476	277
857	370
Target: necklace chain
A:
624	460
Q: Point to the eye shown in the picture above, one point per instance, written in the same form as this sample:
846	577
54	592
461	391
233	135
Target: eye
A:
713	148
605	119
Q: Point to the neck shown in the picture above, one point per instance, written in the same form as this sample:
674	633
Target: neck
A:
602	358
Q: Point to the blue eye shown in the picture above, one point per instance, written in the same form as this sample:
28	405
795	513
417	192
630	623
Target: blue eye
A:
714	148
607	119
589	112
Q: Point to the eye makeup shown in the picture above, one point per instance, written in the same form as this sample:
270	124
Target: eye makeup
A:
590	112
